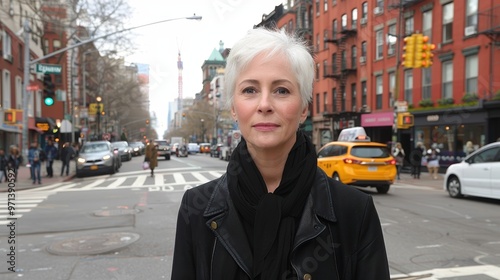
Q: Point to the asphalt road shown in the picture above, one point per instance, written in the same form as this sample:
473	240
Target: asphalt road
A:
122	226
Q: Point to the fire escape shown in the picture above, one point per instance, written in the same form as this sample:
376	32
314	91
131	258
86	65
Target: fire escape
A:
341	69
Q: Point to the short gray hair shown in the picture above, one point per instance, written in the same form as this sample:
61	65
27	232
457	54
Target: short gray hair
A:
272	42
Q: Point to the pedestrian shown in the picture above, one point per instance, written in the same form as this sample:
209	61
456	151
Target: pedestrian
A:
416	160
14	160
433	155
3	165
51	154
469	148
151	156
274	214
35	162
399	154
67	154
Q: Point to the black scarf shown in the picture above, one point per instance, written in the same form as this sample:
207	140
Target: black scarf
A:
271	217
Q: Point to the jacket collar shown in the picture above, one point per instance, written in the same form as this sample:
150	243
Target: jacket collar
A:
223	219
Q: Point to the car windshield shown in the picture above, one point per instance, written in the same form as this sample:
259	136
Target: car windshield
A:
161	143
370	152
119	144
135	144
94	148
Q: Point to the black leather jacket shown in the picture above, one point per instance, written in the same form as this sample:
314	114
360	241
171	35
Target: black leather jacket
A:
339	235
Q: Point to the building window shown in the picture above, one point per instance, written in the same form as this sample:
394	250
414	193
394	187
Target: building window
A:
334	101
379	89
334	63
290	27
342	104
448	22
380	4
409	86
392	38
7	45
56	44
364	10
325	67
335	29
471	13
317	71
427	24
325	102
317	42
354	57
353	97
325	38
447	79
426	83
317	7
409	26
343	22
379	53
392	88
471	73
343	63
363	49
363	93
325	6
354	19
317	104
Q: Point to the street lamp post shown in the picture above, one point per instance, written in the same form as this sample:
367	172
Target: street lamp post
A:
98	113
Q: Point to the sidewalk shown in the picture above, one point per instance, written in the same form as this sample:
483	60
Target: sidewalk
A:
24	181
425	180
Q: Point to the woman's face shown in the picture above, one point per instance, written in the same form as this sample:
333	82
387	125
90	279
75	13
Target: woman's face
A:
267	103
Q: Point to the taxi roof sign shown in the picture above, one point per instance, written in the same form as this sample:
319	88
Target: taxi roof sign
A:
353	134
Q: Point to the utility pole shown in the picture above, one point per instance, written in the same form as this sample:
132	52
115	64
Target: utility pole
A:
397	74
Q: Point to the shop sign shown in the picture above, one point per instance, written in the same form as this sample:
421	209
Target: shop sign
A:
341	124
433	118
43	126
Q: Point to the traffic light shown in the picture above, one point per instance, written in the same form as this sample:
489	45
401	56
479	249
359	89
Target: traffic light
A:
405	120
409	51
48	90
420	53
428	54
9	117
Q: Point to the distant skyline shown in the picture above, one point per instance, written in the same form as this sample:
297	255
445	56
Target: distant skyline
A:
158	45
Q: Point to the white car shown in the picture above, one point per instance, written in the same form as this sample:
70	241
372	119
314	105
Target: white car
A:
477	175
193	148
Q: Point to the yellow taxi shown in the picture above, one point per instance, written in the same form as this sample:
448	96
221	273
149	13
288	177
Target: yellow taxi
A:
355	160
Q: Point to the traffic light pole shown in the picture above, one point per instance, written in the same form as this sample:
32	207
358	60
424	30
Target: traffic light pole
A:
397	74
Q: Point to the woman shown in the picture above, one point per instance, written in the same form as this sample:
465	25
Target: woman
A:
433	161
151	156
416	160
399	155
274	214
14	160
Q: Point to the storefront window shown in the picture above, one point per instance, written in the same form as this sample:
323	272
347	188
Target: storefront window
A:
473	133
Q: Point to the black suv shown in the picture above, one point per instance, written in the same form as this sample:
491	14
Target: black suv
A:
163	148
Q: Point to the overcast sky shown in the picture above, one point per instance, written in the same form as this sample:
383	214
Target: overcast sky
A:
226	20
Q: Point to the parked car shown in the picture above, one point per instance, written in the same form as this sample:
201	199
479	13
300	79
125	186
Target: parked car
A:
215	150
138	148
355	160
124	150
205	148
163	148
182	151
477	175
97	158
193	148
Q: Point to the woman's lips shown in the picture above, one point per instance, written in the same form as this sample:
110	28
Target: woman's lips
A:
266	126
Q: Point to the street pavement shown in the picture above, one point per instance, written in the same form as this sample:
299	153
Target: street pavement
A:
24	181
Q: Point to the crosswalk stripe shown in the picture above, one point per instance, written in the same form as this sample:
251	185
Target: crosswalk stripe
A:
179	179
5	222
93	184
2	211
17	201
215	174
53	186
200	177
10	216
19	205
158	179
117	182
69	186
139	181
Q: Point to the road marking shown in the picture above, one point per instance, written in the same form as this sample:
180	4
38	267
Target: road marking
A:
179	178
139	181
93	184
117	183
158	179
448	273
53	186
200	177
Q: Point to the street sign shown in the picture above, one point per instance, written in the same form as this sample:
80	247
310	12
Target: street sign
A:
94	107
401	106
48	68
32	87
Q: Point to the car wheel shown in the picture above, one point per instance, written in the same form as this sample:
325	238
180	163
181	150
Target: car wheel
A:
336	177
454	187
167	157
382	189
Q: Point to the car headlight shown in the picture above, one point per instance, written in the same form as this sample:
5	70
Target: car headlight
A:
106	157
81	160
136	149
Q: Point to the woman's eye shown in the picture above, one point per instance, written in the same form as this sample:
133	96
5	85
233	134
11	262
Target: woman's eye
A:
282	91
249	90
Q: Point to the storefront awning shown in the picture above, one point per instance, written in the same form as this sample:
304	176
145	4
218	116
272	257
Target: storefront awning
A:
10	128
